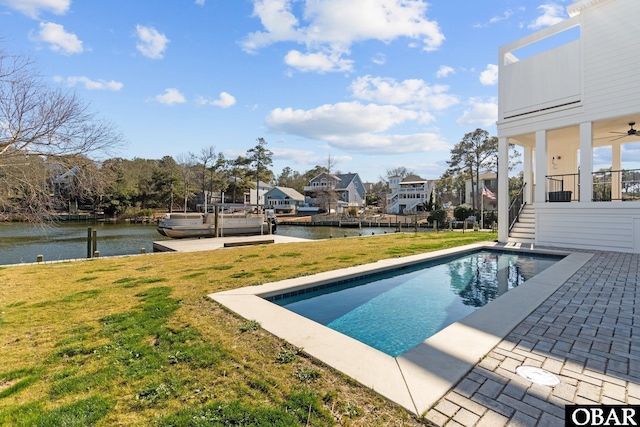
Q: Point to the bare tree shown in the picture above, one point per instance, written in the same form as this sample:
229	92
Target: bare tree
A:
44	133
331	163
185	161
400	171
204	161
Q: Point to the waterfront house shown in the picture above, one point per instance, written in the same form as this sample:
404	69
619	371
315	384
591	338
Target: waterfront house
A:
335	191
488	190
573	91
255	196
408	195
283	199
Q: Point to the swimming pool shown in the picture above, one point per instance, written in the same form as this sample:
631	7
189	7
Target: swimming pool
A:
396	310
419	377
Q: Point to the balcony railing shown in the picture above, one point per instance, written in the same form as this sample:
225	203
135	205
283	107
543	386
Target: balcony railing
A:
563	188
323	187
418	189
608	186
620	185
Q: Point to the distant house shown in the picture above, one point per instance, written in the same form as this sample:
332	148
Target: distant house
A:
488	181
256	196
283	199
62	182
335	191
408	195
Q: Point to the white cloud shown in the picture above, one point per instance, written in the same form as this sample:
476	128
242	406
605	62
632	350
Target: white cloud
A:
355	127
444	71
389	144
89	84
59	40
411	93
293	155
489	76
551	14
334	25
278	21
506	15
480	113
171	96
379	59
225	100
337	119
200	2
33	8
319	62
151	43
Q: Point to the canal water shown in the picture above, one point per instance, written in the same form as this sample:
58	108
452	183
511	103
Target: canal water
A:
20	242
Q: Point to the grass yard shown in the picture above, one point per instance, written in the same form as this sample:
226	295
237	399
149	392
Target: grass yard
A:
135	341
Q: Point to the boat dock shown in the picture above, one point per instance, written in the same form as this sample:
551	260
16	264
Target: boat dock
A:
208	244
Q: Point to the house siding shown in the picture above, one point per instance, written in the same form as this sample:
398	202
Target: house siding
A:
610	83
601	227
611	78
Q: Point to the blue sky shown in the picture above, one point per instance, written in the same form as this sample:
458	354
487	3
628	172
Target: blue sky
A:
375	84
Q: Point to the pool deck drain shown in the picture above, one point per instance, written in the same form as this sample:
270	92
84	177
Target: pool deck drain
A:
419	378
587	333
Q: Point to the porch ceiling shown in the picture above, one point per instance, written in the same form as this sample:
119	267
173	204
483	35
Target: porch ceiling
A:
602	133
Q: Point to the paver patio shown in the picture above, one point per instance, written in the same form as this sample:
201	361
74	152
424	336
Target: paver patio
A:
587	333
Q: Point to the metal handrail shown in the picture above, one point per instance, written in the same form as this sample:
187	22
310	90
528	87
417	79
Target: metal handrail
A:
516	207
556	191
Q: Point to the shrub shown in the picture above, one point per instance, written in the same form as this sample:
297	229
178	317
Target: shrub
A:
462	212
439	215
286	356
307	374
249	325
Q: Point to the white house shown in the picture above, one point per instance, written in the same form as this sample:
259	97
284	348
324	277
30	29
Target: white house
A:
576	94
283	199
409	194
256	196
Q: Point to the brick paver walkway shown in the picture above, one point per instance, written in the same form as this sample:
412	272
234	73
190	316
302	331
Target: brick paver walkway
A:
587	333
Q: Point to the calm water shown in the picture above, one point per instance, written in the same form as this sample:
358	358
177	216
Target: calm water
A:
24	242
398	310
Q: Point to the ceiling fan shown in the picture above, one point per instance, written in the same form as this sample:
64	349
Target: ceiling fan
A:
630	132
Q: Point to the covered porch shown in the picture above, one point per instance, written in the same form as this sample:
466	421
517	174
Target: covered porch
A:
583	182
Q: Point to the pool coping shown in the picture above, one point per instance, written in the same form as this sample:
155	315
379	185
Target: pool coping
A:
418	378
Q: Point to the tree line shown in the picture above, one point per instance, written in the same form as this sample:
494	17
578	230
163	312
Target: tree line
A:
50	140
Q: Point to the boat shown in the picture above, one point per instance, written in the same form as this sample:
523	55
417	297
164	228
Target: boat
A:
191	225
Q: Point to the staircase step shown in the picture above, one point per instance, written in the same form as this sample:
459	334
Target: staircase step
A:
524	231
526	221
519	226
526	236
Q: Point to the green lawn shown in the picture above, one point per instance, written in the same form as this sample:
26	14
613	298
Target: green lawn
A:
135	341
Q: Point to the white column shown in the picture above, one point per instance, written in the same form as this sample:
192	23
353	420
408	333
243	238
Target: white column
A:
541	166
586	162
616	178
503	190
527	174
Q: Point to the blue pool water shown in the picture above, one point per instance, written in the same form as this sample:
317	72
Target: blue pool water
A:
397	310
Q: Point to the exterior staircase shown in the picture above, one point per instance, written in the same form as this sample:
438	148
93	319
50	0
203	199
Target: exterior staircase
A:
524	231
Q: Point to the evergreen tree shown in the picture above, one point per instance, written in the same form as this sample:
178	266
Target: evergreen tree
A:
261	158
